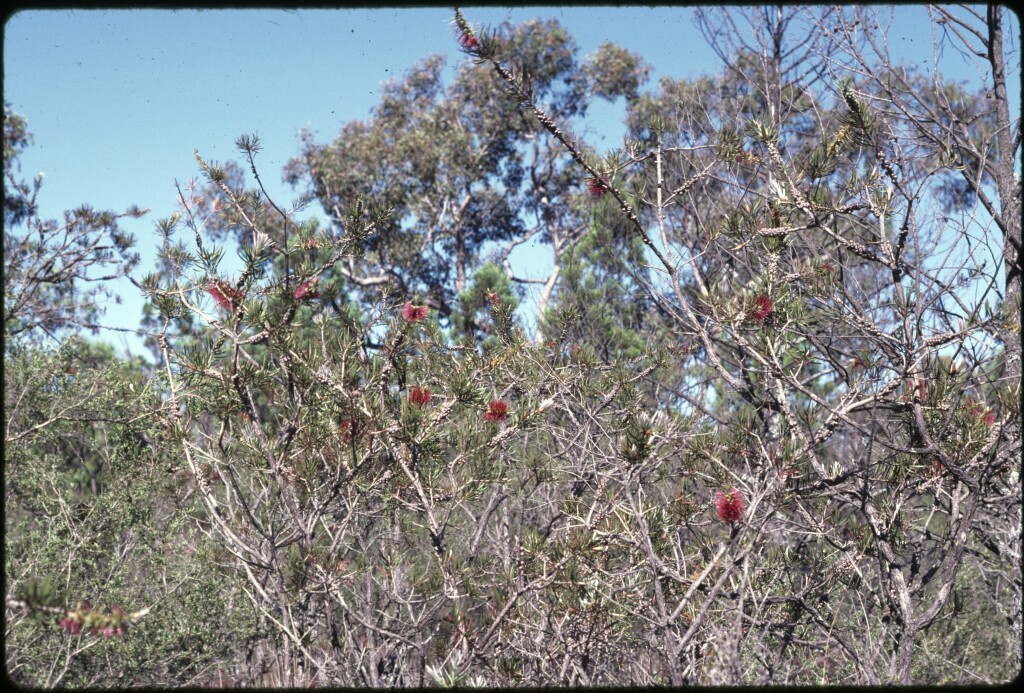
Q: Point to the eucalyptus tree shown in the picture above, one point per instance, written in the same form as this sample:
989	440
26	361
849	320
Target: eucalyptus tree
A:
464	174
56	270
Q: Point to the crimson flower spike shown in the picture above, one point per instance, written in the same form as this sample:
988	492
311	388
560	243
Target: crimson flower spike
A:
729	506
597	187
414	313
497	410
227	296
307	289
763	307
420	396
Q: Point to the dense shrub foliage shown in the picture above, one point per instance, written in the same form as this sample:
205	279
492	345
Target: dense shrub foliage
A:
759	424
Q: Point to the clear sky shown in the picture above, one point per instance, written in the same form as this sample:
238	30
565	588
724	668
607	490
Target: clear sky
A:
118	100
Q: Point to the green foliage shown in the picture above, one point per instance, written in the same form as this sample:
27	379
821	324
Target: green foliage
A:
103	477
858	118
488	301
614	70
17	203
598	305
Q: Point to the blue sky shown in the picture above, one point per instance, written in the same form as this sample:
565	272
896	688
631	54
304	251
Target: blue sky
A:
118	100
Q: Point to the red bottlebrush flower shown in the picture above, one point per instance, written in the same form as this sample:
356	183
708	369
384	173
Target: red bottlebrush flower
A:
597	187
763	307
349	431
468	41
730	506
981	412
227	296
414	313
420	396
496	411
307	289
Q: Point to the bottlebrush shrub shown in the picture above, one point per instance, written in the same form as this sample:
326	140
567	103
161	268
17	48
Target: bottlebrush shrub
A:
788	395
434	534
37	597
980	412
960	430
339	447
